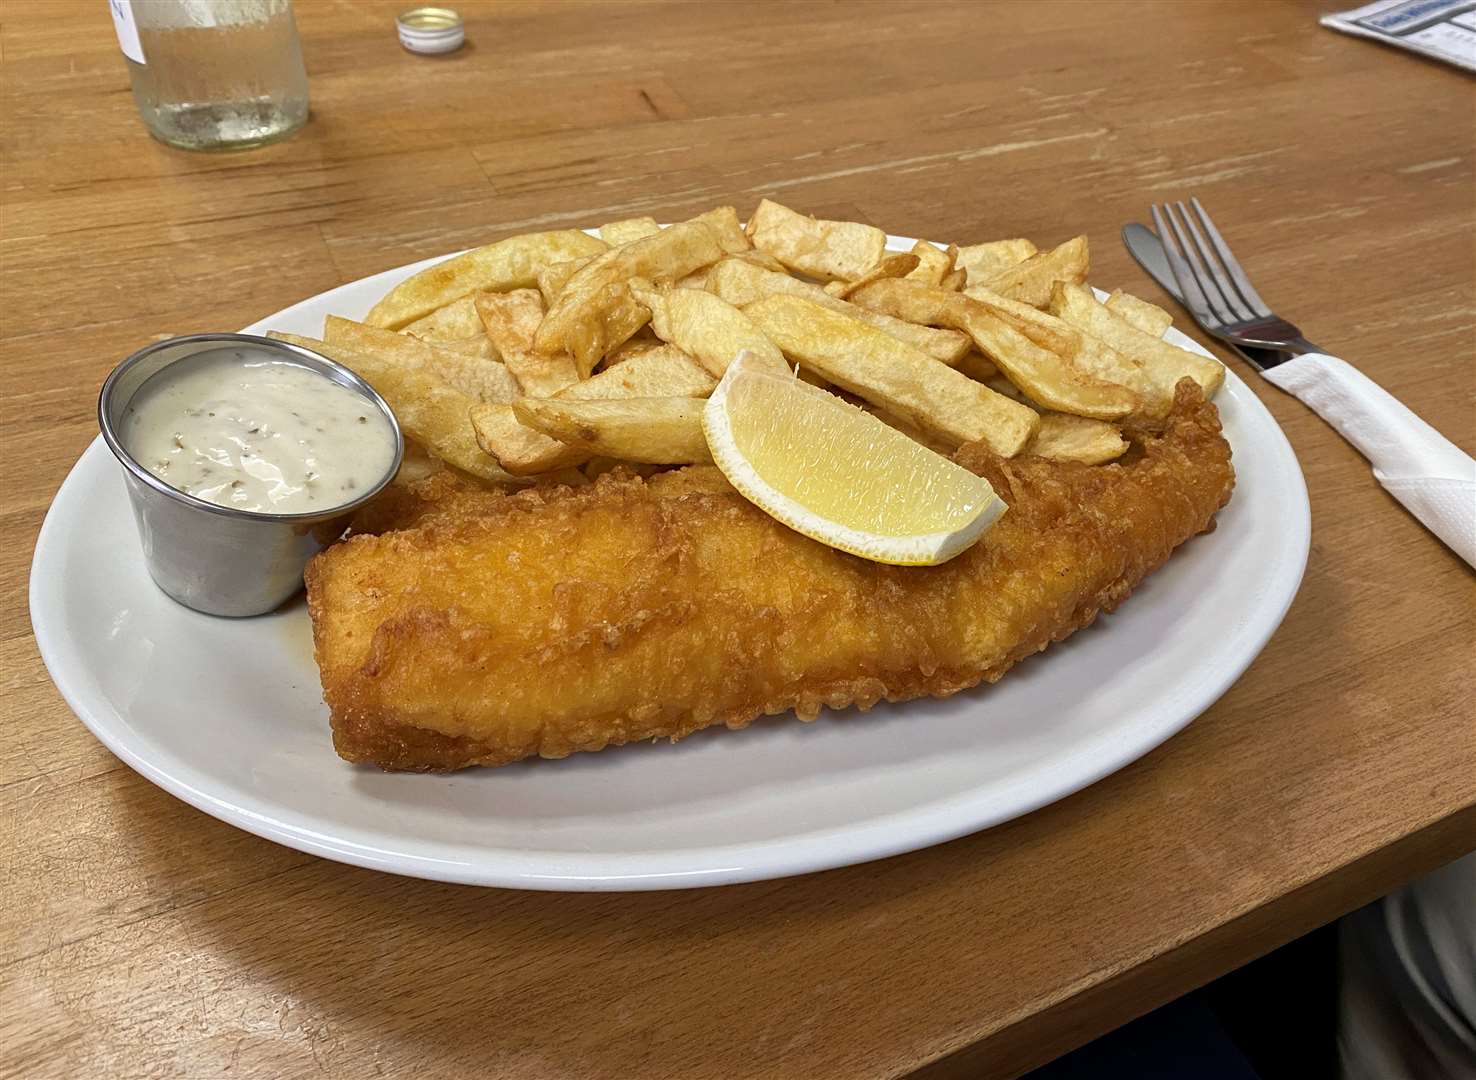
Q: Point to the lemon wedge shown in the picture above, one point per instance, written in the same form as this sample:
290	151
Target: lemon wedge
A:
838	474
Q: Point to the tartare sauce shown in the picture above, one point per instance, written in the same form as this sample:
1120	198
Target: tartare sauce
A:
242	428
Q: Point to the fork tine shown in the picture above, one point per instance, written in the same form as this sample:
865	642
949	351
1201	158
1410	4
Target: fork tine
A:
1258	307
1213	299
1237	307
1194	297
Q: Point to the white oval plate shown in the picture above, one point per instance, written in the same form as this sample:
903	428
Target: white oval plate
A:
227	714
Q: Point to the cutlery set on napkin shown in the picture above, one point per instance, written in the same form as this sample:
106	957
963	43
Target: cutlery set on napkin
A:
1433	478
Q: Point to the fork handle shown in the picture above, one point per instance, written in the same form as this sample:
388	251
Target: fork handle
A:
1429	474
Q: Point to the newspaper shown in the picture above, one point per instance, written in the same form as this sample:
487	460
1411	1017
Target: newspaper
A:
1444	29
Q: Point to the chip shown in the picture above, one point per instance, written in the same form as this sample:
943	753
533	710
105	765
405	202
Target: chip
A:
1041	327
1076	438
659	431
1031	281
593	310
985	262
521	450
1163	364
510	320
455	326
475	376
829	250
624	317
616	233
706	327
741	283
1091	355
891	266
641	346
525	450
508	264
699	279
552	278
1049	379
932	264
894	376
659	372
1149	318
724	223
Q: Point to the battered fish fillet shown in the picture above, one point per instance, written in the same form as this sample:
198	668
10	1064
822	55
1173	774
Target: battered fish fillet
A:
493	627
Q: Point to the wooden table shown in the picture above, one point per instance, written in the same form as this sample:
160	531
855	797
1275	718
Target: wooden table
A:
140	937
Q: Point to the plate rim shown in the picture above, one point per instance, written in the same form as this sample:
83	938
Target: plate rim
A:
796	853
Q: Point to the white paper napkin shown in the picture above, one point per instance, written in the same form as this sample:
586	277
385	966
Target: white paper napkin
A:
1430	475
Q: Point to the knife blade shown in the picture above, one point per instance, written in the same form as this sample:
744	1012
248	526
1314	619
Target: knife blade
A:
1144	246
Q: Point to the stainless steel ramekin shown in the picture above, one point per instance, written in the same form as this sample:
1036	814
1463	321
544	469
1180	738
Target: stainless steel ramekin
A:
218	559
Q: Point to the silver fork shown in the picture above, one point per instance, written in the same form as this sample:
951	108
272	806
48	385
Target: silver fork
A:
1216	290
1430	475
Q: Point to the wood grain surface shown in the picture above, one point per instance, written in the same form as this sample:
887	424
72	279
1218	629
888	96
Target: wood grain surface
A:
139	937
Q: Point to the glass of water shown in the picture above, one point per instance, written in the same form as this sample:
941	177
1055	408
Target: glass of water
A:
214	74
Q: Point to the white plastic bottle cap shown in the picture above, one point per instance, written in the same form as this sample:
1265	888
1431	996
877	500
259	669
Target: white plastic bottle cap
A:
430	30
